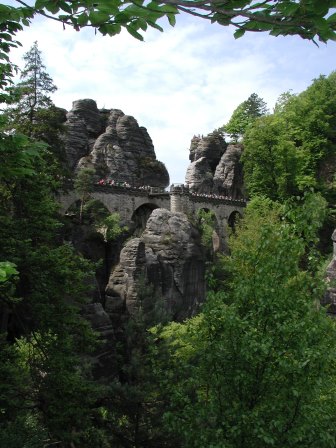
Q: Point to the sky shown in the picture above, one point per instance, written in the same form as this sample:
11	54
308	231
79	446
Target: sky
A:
183	82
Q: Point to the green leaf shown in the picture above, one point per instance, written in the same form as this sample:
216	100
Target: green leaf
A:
154	25
51	7
98	18
239	33
7	270
140	23
40	4
65	7
169	9
110	29
171	19
83	19
332	18
134	33
122	18
108	8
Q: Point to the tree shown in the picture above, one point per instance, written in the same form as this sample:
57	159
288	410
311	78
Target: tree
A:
33	90
245	114
45	342
84	185
256	367
294	149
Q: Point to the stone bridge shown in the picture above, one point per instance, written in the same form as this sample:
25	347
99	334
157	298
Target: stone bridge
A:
129	201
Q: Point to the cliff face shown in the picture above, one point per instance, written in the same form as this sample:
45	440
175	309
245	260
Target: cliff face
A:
168	256
215	167
113	144
330	296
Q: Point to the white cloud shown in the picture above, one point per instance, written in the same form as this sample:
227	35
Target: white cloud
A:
185	81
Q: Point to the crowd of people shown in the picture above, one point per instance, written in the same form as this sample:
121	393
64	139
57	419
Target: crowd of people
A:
113	183
216	196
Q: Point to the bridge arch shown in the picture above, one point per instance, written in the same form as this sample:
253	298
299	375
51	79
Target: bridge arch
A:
141	215
208	221
131	203
233	219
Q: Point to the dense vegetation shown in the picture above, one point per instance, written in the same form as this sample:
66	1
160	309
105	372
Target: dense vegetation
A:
256	368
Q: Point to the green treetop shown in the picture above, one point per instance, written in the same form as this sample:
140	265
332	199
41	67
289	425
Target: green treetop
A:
254	107
293	149
312	19
35	87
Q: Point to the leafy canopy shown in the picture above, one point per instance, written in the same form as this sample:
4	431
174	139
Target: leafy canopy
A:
294	149
256	368
313	19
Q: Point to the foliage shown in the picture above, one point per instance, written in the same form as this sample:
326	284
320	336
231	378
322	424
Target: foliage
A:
84	183
206	224
294	149
45	341
256	368
112	227
245	114
31	111
33	90
135	404
310	20
7	270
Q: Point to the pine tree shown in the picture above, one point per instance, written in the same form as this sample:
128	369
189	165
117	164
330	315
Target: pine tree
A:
254	107
35	87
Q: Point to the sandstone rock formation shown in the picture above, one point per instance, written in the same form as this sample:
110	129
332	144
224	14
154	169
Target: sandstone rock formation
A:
330	296
211	147
228	177
215	167
199	176
113	144
167	256
82	127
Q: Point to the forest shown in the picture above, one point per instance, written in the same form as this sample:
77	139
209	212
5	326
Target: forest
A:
255	368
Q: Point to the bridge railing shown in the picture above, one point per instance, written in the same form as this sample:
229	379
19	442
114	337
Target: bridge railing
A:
180	189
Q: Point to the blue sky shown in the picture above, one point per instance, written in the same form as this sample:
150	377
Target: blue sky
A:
185	81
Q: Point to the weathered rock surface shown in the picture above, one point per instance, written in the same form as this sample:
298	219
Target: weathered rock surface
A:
228	178
82	127
215	167
199	176
330	296
113	144
211	147
168	256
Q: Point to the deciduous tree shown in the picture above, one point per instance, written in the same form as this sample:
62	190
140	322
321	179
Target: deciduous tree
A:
294	149
256	368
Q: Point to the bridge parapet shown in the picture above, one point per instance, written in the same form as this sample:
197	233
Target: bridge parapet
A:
127	200
218	199
182	199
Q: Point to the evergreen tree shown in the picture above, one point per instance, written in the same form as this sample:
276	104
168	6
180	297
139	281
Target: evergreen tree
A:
254	107
44	339
33	113
35	87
